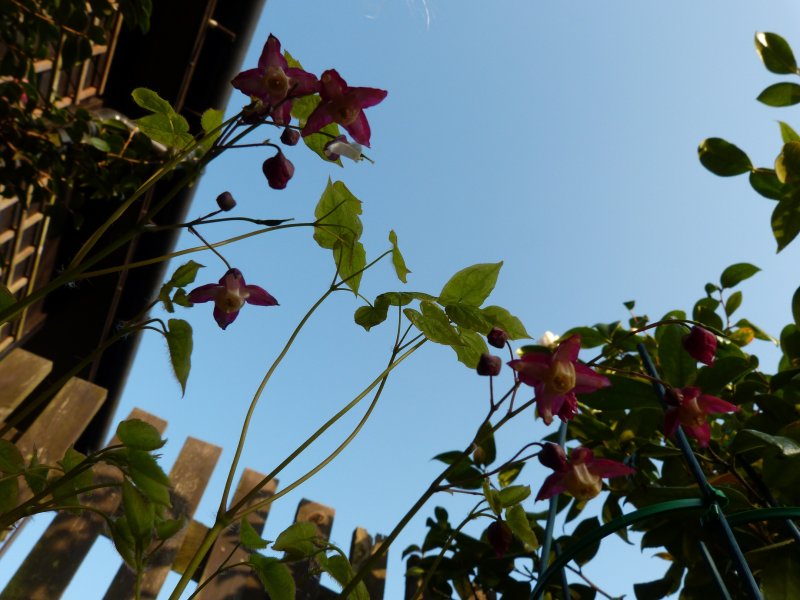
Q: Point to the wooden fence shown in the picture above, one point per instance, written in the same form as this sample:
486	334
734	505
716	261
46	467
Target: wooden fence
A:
51	564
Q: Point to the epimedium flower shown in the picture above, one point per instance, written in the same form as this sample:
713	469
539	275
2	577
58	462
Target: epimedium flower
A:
689	408
344	105
278	170
701	345
581	475
275	83
339	146
557	377
229	296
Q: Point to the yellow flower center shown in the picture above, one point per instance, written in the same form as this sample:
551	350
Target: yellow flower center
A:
230	301
561	378
276	83
690	413
582	484
344	113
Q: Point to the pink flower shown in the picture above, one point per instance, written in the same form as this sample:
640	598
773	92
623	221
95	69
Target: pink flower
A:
688	408
344	105
274	82
581	476
701	345
557	377
278	170
229	296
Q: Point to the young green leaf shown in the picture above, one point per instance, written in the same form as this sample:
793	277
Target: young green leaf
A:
369	316
172	130
249	537
470	348
723	158
484	442
678	367
337	212
185	274
787	165
397	258
179	342
137	434
517	520
338	567
468	317
507	476
299	539
787	133
514	494
471	285
786	222
780	94
139	512
500	317
11	461
275	576
775	53
434	324
210	121
766	183
166	528
9	492
735	274
150	100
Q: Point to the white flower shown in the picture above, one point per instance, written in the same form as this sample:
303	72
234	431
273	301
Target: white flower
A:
341	147
548	340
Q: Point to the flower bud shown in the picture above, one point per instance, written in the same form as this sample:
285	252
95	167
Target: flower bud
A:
489	365
278	170
499	536
290	136
226	202
553	456
497	337
701	345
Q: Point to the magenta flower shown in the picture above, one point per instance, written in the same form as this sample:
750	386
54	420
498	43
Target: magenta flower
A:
557	377
278	170
701	345
688	408
581	475
229	296
344	105
274	82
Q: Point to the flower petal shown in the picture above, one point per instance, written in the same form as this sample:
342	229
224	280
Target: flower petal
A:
260	297
271	54
554	484
282	115
712	404
301	83
532	368
204	293
604	467
547	405
359	129
223	318
702	433
333	86
586	380
367	96
568	349
250	83
318	119
671	421
233	280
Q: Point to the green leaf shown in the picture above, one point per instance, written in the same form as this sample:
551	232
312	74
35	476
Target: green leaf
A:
787	165
433	323
780	94
733	302
795	309
611	511
249	537
590	337
211	121
275	576
766	183
514	495
185	274
492	498
705	311
500	317
301	110
786	221
149	477
507	476
167	528
100	144
293	63
36	474
139	512
299	539
471	285
179	342
150	100
351	261
775	53
139	435
404	298
469	317
124	541
584	528
751	439
723	158
724	370
6	297
369	316
660	588
9	493
11	461
181	299
678	367
338	567
337	211
470	347
170	130
484	440
397	258
72	459
623	393
735	274
787	133
518	522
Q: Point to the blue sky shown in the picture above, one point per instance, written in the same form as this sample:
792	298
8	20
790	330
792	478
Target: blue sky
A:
558	137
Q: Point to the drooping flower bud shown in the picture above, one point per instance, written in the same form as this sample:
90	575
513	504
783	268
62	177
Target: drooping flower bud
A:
341	147
497	337
278	170
226	202
499	536
489	365
553	456
701	345
290	136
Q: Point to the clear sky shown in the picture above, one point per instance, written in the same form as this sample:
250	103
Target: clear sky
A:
559	137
